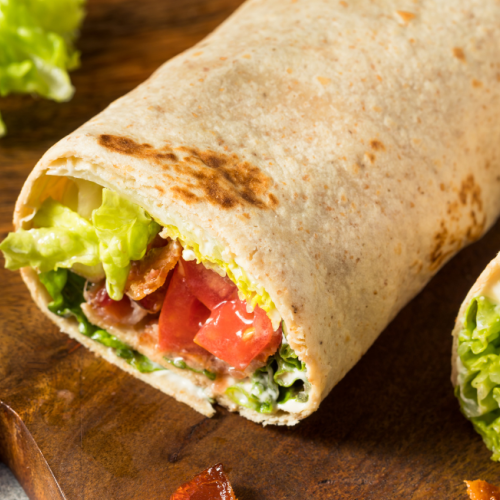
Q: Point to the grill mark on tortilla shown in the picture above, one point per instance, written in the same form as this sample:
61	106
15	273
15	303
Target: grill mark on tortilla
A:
217	178
127	146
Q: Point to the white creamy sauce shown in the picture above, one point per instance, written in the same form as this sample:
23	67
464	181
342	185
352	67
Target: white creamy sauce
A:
292	406
179	381
188	255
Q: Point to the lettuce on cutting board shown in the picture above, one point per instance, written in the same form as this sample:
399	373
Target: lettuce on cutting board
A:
36	47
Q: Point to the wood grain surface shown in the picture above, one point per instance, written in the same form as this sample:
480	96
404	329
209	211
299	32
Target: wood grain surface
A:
74	427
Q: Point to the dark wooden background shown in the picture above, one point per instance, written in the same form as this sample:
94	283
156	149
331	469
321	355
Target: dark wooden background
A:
74	427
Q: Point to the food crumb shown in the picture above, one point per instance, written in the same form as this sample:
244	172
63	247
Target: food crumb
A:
481	490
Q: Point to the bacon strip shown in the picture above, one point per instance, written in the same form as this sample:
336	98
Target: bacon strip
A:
149	274
112	312
481	490
211	484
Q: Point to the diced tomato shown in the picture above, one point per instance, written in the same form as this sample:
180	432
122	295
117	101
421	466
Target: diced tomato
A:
181	317
263	322
201	312
207	286
234	335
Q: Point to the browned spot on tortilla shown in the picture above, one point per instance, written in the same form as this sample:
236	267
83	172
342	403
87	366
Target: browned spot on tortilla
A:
211	159
170	156
405	16
371	157
377	145
439	253
454	210
225	180
459	54
475	230
161	189
469	204
417	266
476	83
187	195
273	200
217	178
470	192
127	146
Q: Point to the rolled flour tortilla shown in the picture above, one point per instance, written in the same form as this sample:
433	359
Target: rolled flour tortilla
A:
336	153
476	356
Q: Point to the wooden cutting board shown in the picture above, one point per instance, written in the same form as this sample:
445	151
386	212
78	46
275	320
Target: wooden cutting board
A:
74	427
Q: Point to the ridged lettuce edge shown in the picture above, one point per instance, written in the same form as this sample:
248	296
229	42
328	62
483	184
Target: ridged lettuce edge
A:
478	364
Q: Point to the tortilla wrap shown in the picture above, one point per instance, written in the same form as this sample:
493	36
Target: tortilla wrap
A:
340	152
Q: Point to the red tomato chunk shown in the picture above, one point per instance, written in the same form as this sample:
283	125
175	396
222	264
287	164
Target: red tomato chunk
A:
202	312
234	335
181	317
208	287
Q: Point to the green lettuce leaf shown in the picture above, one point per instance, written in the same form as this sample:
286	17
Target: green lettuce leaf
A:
124	230
180	363
478	387
283	378
118	233
36	47
66	289
61	239
260	393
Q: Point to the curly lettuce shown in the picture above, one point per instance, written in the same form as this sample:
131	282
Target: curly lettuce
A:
284	378
260	393
36	47
61	238
118	233
124	230
66	289
478	387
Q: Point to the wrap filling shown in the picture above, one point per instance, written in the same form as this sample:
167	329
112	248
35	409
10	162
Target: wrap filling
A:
139	287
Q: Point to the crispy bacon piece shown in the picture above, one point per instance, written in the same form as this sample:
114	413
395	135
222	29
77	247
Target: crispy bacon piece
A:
114	312
481	490
149	274
153	302
211	484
